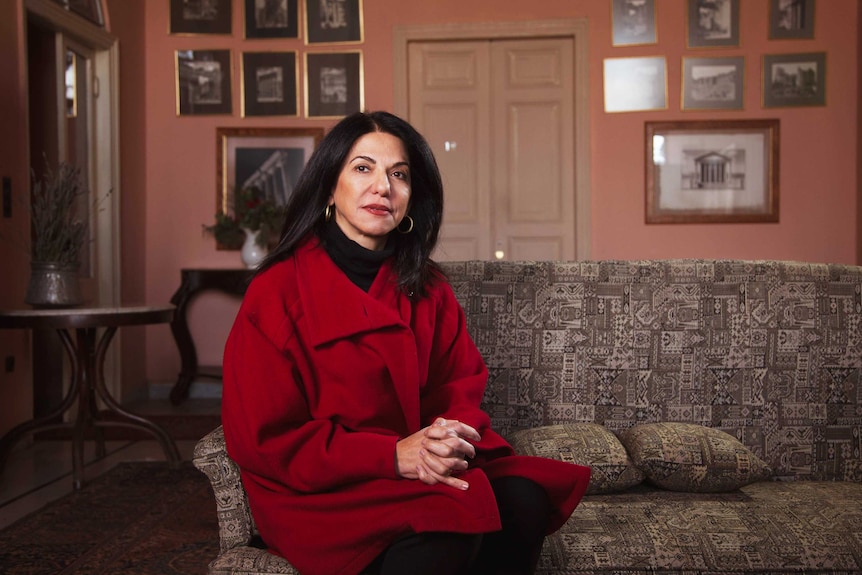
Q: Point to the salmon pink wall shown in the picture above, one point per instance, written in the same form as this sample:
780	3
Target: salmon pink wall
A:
817	164
14	261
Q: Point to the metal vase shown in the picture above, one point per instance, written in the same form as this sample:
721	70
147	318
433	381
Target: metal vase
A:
53	285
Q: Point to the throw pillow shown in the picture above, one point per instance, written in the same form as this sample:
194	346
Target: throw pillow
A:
587	444
694	458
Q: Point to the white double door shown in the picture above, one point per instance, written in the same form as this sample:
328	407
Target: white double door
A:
499	116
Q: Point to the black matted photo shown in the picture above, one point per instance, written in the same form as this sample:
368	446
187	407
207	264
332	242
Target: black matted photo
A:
269	84
203	82
334	84
713	83
791	19
713	23
200	16
633	22
791	80
271	19
333	22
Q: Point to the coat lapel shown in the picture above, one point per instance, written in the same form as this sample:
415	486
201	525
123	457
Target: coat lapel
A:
337	309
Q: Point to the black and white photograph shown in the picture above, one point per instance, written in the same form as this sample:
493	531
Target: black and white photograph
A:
271	19
203	82
635	84
268	160
713	23
270	83
334	84
200	17
333	22
712	171
791	19
713	83
794	80
633	22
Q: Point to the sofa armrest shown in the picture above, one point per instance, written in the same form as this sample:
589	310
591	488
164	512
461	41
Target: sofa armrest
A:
236	525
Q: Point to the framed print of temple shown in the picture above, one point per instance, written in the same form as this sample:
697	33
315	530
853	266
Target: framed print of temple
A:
712	171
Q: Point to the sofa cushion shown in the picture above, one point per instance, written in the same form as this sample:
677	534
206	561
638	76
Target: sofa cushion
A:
587	444
694	458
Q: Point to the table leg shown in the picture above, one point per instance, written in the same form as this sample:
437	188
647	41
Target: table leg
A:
133	420
84	371
185	344
49	421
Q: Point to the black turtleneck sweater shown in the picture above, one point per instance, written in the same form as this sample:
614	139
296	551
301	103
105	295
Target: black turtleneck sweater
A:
358	263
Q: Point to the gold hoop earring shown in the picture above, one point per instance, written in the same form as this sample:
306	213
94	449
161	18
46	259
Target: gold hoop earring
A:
408	230
327	213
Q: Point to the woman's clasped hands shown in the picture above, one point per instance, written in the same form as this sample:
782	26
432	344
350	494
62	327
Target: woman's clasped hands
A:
437	453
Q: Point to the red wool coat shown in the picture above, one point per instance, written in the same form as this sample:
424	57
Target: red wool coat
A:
320	381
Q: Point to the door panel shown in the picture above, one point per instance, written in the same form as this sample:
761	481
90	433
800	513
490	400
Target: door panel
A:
534	153
450	85
499	117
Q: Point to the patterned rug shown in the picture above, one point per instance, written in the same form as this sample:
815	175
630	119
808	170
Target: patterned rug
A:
140	518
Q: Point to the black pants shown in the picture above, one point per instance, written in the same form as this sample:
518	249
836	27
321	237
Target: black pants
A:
524	513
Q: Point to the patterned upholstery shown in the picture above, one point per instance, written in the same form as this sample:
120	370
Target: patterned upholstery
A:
769	352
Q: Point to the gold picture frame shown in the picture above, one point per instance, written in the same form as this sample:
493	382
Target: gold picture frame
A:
204	82
270	159
714	171
334	84
334	22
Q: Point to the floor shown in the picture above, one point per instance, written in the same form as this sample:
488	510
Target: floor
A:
40	471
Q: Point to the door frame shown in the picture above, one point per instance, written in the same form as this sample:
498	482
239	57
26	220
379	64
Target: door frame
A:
104	165
575	28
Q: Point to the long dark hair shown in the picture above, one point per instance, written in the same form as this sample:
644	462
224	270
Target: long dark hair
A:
304	210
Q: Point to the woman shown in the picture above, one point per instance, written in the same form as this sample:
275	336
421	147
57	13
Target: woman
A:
352	388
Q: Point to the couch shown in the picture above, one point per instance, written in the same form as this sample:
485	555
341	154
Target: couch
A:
718	403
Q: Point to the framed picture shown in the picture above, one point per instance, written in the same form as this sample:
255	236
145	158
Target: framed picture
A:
713	23
334	84
333	22
791	19
635	84
712	171
271	19
713	83
633	22
791	80
203	82
270	159
270	82
199	17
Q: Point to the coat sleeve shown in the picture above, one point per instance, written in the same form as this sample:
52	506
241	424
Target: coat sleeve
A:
458	376
268	428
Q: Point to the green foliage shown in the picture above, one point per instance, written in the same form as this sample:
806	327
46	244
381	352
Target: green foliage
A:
251	212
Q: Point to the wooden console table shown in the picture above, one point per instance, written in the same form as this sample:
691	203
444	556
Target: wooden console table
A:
194	281
87	357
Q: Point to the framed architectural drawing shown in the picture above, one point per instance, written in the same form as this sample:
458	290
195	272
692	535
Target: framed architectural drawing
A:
333	22
791	80
203	82
271	19
197	17
713	83
270	82
791	19
635	84
713	23
712	171
334	84
633	22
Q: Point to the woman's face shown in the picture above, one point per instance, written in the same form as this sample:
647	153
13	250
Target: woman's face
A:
373	190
